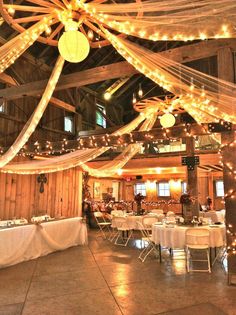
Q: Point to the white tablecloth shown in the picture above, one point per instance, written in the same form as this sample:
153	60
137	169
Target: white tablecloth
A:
174	237
27	242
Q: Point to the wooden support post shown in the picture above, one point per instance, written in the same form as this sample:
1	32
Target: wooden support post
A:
210	188
228	152
226	72
192	178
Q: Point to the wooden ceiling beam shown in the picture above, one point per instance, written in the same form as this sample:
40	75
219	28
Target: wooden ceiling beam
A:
116	70
34	61
5	78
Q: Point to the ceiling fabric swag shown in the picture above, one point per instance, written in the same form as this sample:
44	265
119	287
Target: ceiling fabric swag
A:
71	159
32	123
168	20
210	98
111	167
15	47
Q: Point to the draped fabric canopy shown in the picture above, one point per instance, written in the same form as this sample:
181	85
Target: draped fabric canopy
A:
170	19
204	97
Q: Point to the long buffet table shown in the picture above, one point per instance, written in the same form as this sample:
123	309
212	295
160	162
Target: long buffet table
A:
27	242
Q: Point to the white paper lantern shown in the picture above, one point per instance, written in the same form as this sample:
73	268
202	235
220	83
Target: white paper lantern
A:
73	46
167	120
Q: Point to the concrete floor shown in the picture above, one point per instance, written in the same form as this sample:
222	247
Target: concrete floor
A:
110	280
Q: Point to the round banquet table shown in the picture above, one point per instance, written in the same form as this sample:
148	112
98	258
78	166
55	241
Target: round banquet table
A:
174	237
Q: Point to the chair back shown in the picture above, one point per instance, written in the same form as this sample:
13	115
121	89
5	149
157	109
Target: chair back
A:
211	215
99	217
197	236
171	219
157	211
170	214
148	221
160	217
117	213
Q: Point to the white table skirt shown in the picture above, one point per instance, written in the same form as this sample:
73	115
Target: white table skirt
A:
175	237
27	242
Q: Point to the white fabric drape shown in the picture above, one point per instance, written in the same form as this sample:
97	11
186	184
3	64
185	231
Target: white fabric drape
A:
111	167
15	47
32	123
68	160
206	98
168	20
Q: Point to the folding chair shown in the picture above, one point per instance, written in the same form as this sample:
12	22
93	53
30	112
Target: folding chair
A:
104	226
122	228
147	238
197	239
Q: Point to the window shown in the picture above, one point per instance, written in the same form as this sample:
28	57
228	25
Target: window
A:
100	120
2	106
220	188
69	124
164	189
140	188
183	187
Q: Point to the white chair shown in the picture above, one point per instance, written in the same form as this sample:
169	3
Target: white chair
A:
197	239
104	226
124	232
160	217
148	221
157	211
211	215
147	239
170	214
118	213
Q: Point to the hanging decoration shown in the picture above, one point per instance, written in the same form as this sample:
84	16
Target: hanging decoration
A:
72	159
178	20
206	98
32	123
73	45
167	120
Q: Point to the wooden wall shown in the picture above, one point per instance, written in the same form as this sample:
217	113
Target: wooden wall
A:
20	196
206	187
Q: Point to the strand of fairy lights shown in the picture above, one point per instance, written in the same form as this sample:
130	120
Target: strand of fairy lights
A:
13	49
157	29
32	123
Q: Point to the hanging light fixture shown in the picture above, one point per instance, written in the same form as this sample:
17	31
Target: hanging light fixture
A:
167	120
134	99
140	91
107	96
73	45
90	34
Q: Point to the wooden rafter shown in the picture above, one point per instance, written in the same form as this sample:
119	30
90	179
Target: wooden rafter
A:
5	78
119	69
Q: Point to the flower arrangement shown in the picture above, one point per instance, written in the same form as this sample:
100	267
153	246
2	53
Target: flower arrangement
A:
138	198
185	199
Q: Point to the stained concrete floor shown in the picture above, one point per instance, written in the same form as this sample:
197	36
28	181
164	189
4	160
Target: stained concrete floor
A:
105	279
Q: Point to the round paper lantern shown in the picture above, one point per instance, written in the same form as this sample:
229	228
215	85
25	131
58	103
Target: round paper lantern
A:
73	46
167	120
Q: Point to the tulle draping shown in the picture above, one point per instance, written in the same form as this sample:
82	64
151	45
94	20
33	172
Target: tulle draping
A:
32	123
71	159
206	98
111	168
168	20
15	47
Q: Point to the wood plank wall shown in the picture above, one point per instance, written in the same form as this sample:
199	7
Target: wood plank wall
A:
20	196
